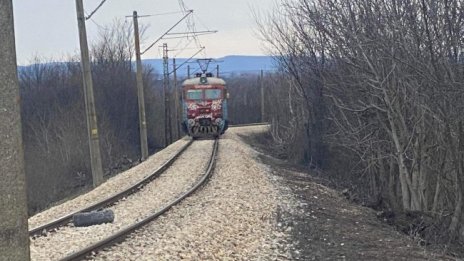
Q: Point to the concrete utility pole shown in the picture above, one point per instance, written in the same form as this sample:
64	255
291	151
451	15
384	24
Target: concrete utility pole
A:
141	97
167	111
261	81
14	235
91	115
176	100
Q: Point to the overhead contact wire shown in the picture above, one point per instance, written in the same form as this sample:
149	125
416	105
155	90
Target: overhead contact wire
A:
96	9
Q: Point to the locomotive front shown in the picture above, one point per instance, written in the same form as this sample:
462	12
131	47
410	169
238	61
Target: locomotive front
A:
204	106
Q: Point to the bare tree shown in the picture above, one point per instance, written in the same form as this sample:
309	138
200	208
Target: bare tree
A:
380	84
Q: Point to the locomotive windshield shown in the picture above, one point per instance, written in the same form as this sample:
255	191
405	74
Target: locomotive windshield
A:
194	94
210	94
213	94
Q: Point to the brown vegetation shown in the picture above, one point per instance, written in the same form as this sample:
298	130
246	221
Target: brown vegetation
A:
244	106
56	152
373	95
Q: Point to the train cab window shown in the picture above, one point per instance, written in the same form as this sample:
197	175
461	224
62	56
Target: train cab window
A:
213	94
194	94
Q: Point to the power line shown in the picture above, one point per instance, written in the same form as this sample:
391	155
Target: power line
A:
185	36
175	37
159	14
179	43
190	23
189	34
101	27
183	49
182	5
197	70
96	9
161	37
193	33
182	64
185	46
201	22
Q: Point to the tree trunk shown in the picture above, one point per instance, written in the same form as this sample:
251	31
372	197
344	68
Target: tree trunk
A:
458	161
436	195
457	212
403	171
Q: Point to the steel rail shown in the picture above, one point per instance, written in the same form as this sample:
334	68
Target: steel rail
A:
112	199
122	234
249	124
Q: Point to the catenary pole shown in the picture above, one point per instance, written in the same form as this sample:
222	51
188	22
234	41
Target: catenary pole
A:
167	111
14	235
176	100
140	91
92	127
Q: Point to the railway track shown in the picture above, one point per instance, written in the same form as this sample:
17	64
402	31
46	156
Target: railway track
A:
121	235
64	220
249	124
134	211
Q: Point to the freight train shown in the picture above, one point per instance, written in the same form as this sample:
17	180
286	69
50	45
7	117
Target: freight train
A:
204	103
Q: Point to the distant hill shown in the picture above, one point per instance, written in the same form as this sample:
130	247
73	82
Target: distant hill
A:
233	64
228	65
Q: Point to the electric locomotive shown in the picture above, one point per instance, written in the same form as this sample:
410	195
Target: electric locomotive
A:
204	102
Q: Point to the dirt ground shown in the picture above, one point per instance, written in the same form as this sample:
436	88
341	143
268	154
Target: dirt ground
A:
324	225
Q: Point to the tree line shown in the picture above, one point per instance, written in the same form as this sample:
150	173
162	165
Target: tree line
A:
53	115
371	92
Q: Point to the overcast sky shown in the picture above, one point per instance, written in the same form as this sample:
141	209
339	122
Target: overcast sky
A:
48	28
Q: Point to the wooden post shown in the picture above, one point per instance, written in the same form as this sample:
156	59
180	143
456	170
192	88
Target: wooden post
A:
91	115
140	91
14	235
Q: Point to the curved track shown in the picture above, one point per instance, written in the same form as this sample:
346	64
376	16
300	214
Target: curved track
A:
37	231
122	234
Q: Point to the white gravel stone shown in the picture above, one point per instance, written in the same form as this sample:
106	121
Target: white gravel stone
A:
177	179
232	218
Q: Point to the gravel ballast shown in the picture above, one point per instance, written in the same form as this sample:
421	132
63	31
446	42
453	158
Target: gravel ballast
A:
177	179
232	218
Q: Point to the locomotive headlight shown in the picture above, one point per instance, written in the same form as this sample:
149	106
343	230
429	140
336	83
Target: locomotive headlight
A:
192	106
216	105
